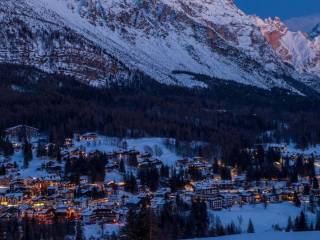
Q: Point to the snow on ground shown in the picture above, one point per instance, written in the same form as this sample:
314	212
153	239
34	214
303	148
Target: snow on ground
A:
107	144
271	236
96	231
293	149
34	168
114	176
262	218
103	144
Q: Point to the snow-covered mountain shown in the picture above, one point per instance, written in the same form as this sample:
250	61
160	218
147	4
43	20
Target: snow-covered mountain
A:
295	48
103	40
315	31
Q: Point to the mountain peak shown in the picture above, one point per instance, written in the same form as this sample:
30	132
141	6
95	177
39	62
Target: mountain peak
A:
315	31
99	40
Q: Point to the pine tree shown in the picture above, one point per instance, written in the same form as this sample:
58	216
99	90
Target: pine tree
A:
164	171
317	226
301	223
306	189
250	227
122	167
296	200
315	183
67	167
2	170
141	224
131	183
289	225
59	157
41	151
79	232
199	218
27	153
133	161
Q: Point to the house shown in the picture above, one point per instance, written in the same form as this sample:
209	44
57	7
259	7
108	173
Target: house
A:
20	132
45	215
272	197
68	143
248	197
13	199
206	189
230	199
157	204
105	213
215	203
88	137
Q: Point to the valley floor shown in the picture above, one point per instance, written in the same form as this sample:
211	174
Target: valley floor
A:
271	236
262	218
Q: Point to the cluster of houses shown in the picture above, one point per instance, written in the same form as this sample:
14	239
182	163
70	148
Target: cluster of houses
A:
53	197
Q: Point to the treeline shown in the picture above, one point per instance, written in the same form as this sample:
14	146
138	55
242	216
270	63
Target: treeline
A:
176	220
31	229
92	166
301	223
225	114
259	163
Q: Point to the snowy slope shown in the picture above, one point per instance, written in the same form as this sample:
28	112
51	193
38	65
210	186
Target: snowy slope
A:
315	32
262	218
103	40
271	236
295	48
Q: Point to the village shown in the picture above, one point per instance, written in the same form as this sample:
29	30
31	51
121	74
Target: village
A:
41	190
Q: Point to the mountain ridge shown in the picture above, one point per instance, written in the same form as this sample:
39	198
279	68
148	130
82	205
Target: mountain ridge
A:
212	38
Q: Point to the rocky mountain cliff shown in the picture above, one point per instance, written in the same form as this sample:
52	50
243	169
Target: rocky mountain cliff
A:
315	31
294	48
99	41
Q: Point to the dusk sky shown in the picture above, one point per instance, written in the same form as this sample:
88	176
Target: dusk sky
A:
299	15
282	8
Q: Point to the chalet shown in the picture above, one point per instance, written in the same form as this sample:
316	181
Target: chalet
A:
183	163
298	187
272	197
157	204
286	195
51	167
110	166
61	213
27	211
224	184
4	189
230	199
106	214
247	197
88	137
11	199
51	190
145	155
206	189
11	213
21	132
315	192
17	185
215	203
149	162
45	215
68	143
200	166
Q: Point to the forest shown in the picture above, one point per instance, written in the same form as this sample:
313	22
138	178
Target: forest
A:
226	114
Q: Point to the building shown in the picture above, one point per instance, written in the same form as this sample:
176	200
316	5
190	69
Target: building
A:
215	203
21	132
